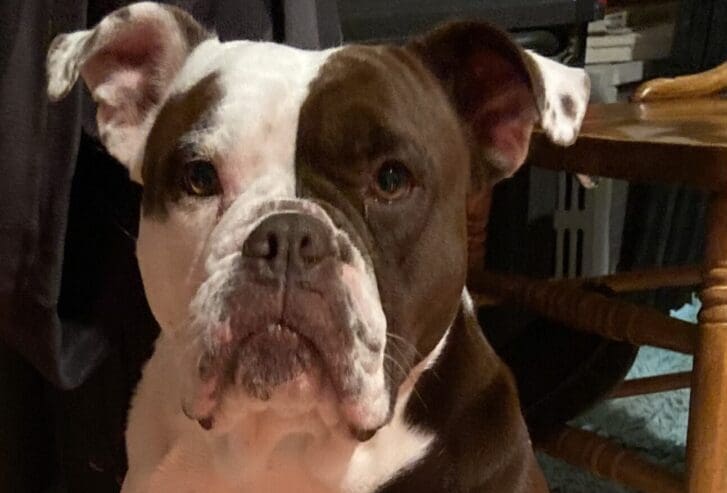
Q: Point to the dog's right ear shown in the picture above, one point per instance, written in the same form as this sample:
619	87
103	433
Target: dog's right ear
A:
501	91
128	62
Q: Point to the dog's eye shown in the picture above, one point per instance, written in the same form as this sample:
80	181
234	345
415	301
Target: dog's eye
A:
393	181
200	179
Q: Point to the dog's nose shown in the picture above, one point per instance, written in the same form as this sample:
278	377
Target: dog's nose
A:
290	240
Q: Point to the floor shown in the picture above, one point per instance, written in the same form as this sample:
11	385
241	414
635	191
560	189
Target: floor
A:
655	425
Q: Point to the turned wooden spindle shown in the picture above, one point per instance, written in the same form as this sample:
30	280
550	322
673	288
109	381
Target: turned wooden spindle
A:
707	438
605	459
620	282
646	279
589	311
652	385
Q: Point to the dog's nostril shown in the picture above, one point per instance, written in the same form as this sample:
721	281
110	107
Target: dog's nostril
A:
264	245
305	250
305	242
312	249
290	239
272	247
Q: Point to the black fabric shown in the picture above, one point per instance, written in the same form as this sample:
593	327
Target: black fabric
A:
39	143
75	329
102	290
665	226
560	372
700	40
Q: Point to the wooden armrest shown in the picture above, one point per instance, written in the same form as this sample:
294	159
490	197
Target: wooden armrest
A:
702	84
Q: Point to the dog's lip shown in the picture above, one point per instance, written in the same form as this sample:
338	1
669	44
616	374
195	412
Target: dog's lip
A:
324	360
281	327
273	329
207	420
277	328
326	364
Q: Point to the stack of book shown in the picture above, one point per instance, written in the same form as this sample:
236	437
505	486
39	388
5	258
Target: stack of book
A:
637	32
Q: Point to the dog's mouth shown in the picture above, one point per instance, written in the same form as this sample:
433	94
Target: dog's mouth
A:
283	365
271	357
256	365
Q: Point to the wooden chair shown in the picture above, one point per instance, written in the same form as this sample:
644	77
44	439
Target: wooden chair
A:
673	131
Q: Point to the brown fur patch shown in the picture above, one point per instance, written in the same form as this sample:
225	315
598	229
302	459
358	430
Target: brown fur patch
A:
568	105
373	104
164	157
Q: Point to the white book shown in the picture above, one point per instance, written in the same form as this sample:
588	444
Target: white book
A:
647	44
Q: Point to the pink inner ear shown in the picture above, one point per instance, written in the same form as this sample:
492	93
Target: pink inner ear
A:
122	74
136	48
129	65
501	109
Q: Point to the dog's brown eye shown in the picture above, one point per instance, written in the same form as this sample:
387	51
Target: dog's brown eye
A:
200	179
393	181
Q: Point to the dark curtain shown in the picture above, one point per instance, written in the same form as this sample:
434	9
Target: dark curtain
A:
664	226
700	40
75	328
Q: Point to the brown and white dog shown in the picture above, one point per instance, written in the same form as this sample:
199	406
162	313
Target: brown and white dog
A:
303	246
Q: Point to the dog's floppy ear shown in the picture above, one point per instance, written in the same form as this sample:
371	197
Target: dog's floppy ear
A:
127	61
501	91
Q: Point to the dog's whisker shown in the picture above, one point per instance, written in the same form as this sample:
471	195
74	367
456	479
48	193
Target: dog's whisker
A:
406	374
394	344
404	349
397	365
408	345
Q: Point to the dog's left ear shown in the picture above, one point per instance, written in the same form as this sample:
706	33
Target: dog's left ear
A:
501	91
128	62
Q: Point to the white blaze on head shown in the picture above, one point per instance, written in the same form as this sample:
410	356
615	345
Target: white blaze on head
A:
252	131
250	135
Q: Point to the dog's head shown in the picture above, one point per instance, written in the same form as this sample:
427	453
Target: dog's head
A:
303	225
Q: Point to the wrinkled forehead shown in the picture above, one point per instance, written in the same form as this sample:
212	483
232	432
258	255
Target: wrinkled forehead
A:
261	87
244	105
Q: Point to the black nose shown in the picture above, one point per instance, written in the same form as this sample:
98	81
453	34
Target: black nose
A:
290	240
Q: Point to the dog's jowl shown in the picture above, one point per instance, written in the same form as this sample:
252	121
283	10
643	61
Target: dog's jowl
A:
303	246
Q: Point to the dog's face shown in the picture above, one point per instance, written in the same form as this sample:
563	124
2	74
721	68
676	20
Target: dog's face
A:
303	236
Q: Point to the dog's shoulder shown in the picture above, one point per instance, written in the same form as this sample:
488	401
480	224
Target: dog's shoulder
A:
468	399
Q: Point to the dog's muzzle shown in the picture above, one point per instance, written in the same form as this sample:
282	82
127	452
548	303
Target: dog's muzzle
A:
296	301
288	259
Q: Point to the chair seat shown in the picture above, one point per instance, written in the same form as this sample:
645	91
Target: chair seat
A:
678	142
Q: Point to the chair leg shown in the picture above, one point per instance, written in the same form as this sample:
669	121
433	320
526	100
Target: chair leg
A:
707	438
